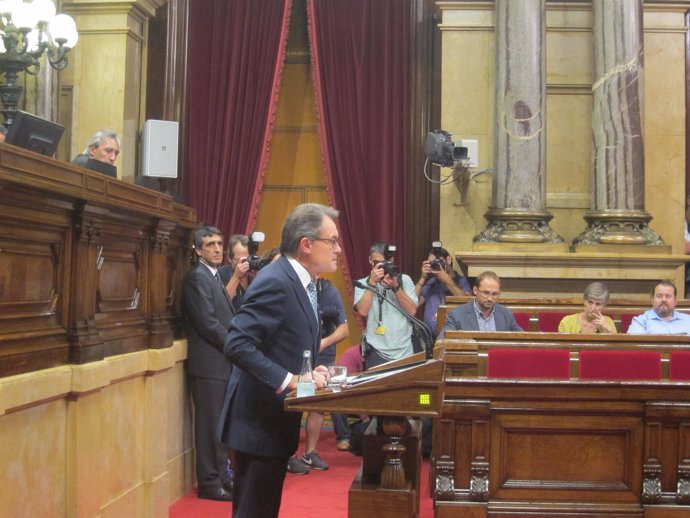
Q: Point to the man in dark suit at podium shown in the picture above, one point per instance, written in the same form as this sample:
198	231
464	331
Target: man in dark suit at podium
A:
266	342
207	311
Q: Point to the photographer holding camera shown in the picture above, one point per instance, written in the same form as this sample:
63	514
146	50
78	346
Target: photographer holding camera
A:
244	263
388	334
236	275
438	280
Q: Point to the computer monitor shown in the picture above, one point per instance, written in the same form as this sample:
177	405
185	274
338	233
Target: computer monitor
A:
33	133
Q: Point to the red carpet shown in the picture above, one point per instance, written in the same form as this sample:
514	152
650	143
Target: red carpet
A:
320	493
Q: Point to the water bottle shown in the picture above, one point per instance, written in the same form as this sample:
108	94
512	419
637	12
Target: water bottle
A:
305	381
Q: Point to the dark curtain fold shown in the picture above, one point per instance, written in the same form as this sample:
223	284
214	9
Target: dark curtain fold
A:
235	58
361	54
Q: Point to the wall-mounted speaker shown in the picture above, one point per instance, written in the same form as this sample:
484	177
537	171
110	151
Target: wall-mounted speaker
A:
159	149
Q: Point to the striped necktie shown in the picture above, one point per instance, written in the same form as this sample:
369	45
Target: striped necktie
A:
311	290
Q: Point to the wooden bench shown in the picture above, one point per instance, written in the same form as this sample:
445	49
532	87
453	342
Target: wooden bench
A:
466	352
543	315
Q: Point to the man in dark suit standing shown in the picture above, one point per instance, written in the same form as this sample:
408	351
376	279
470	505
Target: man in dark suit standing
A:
483	313
207	311
266	341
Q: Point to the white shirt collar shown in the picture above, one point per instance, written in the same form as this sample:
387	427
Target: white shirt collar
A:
211	268
301	271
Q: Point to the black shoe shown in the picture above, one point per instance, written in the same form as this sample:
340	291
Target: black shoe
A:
228	485
219	494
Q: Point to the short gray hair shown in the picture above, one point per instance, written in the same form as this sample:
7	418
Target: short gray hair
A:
99	136
596	291
204	231
304	221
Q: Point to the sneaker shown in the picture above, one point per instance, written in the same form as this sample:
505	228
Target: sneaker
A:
343	445
297	467
314	461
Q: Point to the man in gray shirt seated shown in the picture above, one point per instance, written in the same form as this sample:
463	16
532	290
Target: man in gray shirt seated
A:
483	313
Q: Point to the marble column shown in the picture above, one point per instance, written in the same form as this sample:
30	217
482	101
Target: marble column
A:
618	215
518	213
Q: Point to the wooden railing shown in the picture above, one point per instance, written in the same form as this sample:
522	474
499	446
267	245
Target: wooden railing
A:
466	352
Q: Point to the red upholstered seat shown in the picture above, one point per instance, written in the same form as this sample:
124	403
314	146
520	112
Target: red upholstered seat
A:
529	363
523	320
626	319
680	365
548	322
620	365
352	359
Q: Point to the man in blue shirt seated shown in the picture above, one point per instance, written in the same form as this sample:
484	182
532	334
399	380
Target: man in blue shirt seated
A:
662	319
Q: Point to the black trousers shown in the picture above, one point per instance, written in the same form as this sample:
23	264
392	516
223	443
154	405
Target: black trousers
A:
258	485
211	455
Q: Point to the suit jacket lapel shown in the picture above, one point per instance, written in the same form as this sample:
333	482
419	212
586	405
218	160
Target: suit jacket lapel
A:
218	285
304	301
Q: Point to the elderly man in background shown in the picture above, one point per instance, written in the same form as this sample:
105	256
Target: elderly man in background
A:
104	147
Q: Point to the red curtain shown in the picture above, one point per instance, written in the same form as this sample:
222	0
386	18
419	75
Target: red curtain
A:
361	54
235	55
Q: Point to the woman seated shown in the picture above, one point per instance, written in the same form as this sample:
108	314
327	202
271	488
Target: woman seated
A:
595	298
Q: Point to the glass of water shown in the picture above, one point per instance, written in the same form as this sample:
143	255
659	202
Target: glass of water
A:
337	377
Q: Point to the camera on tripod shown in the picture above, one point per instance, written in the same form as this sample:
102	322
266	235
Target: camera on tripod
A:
255	262
388	266
438	264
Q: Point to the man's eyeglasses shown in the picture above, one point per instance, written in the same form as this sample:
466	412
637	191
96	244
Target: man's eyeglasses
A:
333	241
487	293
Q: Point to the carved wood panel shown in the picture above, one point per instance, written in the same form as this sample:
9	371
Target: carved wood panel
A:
88	267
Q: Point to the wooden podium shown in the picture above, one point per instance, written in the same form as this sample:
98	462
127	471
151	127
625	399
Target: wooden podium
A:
389	479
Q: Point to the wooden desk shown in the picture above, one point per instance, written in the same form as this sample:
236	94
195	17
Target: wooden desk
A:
551	449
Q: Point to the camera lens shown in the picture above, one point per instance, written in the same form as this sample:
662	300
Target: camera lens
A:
436	265
254	262
391	269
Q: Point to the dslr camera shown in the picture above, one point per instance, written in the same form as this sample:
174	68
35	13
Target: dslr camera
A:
255	262
388	266
438	264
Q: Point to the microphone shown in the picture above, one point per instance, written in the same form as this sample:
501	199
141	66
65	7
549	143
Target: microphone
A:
426	333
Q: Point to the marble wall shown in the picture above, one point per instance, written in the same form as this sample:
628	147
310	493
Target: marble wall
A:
106	439
467	111
104	85
468	80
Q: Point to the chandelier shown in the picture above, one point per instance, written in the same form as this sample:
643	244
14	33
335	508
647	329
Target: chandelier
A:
28	30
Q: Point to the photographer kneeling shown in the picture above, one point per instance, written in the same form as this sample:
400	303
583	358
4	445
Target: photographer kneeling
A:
388	333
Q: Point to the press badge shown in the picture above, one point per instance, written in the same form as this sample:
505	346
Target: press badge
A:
380	330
